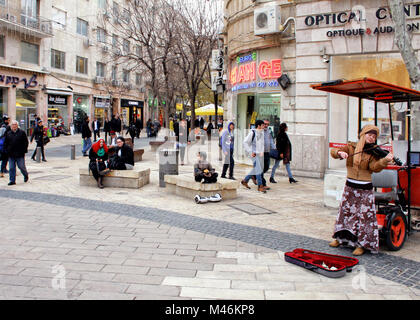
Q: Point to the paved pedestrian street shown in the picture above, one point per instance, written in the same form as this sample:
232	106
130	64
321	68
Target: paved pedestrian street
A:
59	240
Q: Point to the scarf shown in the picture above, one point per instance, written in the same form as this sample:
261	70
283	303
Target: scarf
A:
361	143
101	152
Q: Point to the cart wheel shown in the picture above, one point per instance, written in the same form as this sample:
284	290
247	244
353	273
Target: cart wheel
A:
397	232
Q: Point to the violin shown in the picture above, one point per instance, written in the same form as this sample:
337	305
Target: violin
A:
380	153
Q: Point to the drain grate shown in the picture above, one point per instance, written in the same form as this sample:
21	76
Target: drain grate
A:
52	177
251	209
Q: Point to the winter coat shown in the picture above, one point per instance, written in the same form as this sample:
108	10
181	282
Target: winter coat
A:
227	139
16	143
284	146
86	132
127	154
38	135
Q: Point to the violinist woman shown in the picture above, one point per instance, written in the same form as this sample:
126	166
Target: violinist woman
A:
98	156
356	223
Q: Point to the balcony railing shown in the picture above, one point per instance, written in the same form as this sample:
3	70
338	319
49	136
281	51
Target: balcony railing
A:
37	26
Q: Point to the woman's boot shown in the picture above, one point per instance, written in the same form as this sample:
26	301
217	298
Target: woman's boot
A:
100	185
291	180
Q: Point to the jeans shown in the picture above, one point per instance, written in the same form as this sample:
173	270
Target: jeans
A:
257	170
87	143
4	162
229	163
20	162
276	165
36	149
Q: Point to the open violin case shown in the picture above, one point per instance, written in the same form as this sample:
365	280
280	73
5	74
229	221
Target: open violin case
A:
329	265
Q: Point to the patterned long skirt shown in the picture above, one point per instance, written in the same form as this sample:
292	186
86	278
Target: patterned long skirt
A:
356	223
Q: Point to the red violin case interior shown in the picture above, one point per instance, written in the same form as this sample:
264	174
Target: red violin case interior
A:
329	265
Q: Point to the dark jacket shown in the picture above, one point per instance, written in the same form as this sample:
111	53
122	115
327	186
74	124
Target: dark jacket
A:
99	125
127	154
107	126
93	156
38	135
86	132
115	125
284	146
16	143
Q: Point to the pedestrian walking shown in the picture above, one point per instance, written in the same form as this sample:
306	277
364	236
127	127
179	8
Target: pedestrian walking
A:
86	136
228	142
107	127
16	145
356	223
139	127
3	154
284	152
254	148
268	146
96	126
38	134
182	139
131	130
98	156
149	127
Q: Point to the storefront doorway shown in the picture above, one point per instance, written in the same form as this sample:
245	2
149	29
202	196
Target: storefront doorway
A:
26	109
131	110
57	110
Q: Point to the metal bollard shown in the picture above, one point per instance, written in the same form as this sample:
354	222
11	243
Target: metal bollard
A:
38	154
72	152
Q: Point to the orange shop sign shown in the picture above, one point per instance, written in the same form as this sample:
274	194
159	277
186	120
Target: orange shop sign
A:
248	72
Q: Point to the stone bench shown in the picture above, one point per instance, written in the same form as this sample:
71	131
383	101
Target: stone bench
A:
185	186
134	179
138	155
156	144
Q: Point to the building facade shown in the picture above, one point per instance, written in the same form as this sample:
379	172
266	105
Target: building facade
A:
315	41
56	62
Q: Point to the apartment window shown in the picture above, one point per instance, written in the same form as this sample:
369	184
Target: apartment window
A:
114	40
115	11
114	73
59	18
3	3
101	35
81	65
126	76
1	46
138	79
58	59
126	46
125	16
29	13
82	27
29	52
102	4
100	69
139	52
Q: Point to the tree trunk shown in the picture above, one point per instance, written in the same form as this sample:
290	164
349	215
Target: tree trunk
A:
403	41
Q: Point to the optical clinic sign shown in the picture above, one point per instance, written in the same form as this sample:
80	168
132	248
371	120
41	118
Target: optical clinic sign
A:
245	75
357	18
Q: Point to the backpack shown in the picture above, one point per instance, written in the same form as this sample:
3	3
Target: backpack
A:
2	138
253	138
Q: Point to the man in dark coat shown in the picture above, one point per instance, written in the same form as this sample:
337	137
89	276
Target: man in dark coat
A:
38	135
139	127
86	136
16	145
107	128
96	126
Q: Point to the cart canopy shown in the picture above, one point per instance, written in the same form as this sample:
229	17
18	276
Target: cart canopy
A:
371	89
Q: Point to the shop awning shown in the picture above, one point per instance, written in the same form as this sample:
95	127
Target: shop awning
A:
59	91
21	102
207	110
371	89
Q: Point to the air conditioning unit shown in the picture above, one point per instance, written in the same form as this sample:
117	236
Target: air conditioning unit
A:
88	43
99	80
267	20
117	51
46	27
116	83
12	18
105	49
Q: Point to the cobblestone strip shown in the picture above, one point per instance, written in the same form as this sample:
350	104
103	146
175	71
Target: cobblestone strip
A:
397	269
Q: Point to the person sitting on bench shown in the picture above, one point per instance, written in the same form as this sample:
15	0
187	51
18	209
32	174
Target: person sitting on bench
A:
203	169
123	159
98	156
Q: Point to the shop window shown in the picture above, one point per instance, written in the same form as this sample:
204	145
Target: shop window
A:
100	69
81	65
58	59
29	52
2	46
82	27
101	35
3	101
